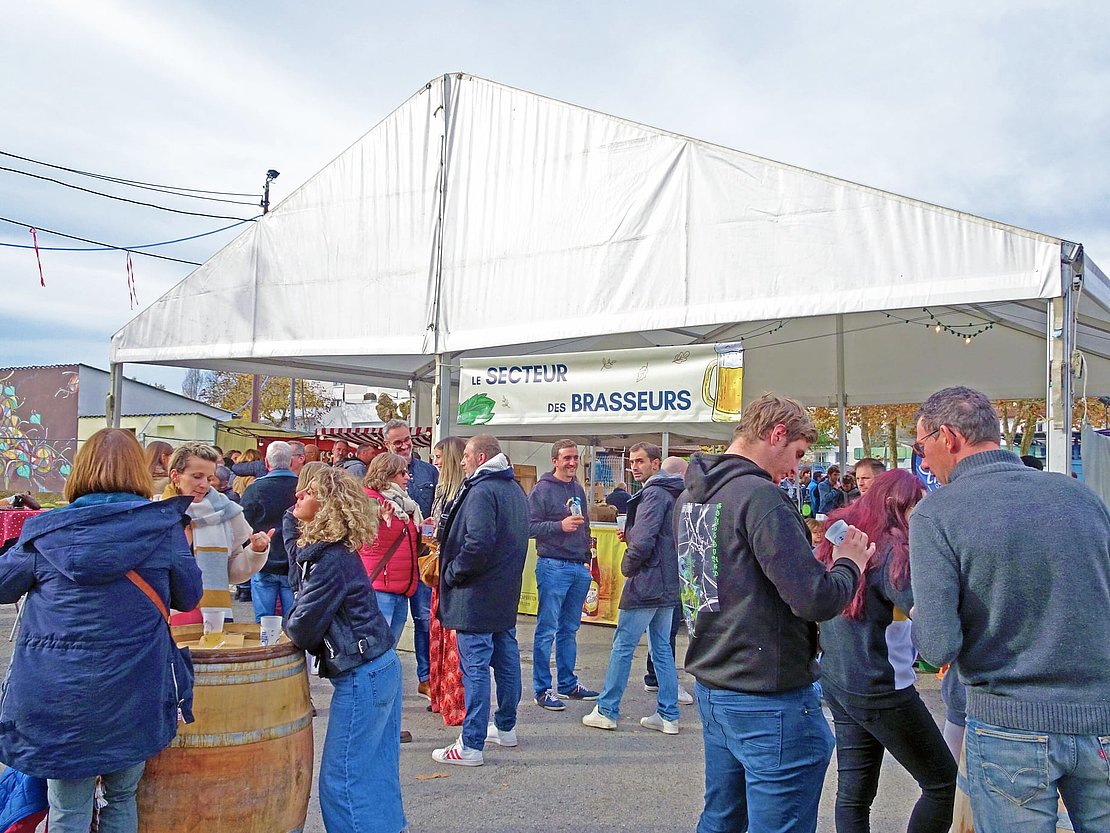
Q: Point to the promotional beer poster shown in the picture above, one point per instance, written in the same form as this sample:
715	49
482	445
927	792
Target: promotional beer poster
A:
694	383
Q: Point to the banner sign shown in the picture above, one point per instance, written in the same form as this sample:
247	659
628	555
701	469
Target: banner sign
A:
696	383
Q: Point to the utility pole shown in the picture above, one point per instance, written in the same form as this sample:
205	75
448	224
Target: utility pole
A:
256	382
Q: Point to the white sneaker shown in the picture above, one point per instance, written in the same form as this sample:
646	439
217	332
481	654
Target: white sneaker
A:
659	724
598	720
685	698
458	754
495	735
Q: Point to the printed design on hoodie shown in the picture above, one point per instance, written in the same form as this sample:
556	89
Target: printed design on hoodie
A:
697	560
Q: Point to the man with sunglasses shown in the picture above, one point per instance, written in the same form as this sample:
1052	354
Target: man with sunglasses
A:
1010	570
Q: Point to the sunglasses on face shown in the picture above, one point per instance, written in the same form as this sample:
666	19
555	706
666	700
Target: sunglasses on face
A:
919	446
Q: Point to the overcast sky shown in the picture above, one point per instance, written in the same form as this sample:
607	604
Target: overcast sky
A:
1000	110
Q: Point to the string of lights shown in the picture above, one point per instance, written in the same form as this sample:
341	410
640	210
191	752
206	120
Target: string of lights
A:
965	331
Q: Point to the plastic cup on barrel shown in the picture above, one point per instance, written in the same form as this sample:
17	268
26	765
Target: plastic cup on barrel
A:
270	630
213	619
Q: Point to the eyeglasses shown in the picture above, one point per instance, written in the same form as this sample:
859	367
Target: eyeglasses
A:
919	446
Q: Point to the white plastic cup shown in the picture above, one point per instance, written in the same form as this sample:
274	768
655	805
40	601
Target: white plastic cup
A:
213	619
270	630
621	521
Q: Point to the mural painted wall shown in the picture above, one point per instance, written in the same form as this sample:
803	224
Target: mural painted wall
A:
38	427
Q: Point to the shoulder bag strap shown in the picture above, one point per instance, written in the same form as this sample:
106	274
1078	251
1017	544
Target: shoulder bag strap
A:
385	559
150	593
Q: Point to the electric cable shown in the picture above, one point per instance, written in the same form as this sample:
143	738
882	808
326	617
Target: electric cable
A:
121	199
104	247
136	182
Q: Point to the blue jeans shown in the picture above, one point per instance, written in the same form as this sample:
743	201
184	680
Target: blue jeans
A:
477	652
265	590
360	779
1014	776
677	621
561	587
765	759
71	802
395	609
631	625
420	603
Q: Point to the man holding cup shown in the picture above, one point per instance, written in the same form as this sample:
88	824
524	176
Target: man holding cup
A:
562	532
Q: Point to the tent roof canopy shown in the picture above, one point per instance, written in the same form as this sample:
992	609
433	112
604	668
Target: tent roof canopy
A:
479	219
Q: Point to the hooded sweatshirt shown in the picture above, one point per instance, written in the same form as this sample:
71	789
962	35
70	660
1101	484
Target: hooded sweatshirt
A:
751	589
548	504
90	688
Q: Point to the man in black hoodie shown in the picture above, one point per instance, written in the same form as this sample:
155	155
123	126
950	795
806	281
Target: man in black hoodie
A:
752	592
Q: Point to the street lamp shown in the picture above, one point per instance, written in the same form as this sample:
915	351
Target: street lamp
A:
271	175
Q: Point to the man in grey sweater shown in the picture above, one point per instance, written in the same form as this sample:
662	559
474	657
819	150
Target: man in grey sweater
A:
1010	570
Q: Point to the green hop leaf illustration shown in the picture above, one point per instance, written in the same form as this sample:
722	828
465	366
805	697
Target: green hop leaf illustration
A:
477	410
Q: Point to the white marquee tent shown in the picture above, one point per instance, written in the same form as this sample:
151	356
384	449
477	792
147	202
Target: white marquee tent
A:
478	219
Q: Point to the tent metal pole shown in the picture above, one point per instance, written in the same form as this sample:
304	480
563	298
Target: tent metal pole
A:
842	420
114	401
292	404
441	399
1058	396
666	444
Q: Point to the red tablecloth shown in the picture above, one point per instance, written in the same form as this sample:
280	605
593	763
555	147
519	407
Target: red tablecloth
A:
11	522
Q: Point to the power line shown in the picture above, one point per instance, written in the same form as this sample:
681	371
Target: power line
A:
155	188
121	199
106	246
122	181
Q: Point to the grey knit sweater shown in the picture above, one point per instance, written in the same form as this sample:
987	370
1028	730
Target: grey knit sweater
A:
1010	569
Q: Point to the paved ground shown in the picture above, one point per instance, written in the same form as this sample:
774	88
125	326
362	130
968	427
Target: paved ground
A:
565	776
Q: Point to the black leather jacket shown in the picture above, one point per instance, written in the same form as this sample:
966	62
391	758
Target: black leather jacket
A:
336	617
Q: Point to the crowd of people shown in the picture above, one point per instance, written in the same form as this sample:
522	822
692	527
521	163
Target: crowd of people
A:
1003	574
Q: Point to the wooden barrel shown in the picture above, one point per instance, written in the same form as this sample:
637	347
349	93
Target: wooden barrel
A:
962	821
245	764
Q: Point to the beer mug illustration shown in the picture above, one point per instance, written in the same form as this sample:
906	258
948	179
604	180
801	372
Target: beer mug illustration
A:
723	384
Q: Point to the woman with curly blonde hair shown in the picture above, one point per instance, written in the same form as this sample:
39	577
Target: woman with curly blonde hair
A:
336	618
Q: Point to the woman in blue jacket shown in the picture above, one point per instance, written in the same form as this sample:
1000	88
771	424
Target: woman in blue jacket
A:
91	690
336	617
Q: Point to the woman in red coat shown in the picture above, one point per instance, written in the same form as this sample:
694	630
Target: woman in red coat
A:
399	522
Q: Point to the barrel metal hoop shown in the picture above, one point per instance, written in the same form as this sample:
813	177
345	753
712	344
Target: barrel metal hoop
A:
187	741
236	675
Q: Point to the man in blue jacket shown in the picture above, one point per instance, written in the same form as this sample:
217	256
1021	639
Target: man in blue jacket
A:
650	567
562	532
423	478
483	545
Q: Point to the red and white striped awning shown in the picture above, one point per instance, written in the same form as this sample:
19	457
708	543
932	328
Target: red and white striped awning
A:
421	437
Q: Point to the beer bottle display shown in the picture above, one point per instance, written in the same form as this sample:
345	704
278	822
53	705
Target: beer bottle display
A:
591	604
